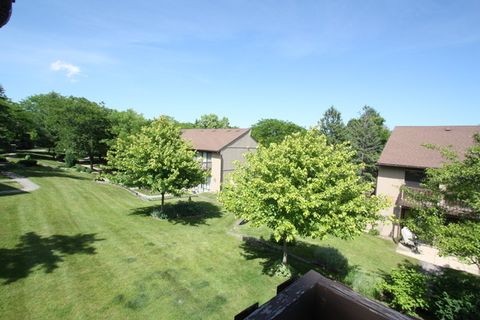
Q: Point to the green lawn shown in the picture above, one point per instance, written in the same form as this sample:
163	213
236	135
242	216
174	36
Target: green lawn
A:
79	249
360	262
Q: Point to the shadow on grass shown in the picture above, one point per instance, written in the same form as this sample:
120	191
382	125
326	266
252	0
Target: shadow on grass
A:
35	155
326	260
44	252
7	190
42	171
191	213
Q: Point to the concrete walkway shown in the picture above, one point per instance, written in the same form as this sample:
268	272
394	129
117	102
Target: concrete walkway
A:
27	184
429	255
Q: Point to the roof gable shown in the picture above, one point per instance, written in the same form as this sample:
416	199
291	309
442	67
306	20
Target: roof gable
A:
405	147
212	139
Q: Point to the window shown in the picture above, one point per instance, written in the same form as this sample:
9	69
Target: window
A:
205	158
415	176
206	185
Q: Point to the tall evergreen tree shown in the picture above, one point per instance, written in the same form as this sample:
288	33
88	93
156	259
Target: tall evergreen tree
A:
332	126
368	135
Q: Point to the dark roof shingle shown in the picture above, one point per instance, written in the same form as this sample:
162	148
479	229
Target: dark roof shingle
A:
212	139
405	147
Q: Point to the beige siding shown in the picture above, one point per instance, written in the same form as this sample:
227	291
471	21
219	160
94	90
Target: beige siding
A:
389	181
216	173
236	151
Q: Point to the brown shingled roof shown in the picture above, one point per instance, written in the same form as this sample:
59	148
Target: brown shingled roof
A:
405	146
212	139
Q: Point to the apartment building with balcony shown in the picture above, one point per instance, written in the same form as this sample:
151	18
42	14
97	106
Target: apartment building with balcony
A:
404	160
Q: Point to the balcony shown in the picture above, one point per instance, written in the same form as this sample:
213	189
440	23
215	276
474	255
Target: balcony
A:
453	208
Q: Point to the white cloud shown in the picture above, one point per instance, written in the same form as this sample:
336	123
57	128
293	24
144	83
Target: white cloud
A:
71	70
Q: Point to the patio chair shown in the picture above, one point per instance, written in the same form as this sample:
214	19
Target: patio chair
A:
409	239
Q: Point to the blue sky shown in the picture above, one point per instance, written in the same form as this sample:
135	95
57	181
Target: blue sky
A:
417	62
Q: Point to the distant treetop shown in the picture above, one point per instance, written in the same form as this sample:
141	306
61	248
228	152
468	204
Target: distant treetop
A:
267	131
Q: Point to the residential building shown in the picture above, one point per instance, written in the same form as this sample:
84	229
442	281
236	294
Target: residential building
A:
218	149
405	158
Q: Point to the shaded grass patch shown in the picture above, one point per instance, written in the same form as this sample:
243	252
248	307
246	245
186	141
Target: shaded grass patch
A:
183	212
34	251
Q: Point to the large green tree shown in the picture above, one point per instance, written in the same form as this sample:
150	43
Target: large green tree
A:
368	135
332	126
6	127
125	123
453	192
267	131
47	111
212	121
302	186
84	129
16	125
157	158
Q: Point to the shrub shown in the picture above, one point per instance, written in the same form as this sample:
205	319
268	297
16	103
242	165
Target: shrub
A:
447	307
455	295
3	159
70	159
448	295
157	213
405	289
27	162
80	168
281	270
101	178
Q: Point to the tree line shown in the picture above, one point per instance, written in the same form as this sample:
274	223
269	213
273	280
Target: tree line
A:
367	135
75	127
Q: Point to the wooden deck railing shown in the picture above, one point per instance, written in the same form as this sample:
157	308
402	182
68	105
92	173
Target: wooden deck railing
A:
450	206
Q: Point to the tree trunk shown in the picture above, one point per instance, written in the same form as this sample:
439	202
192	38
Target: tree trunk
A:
91	161
284	260
163	202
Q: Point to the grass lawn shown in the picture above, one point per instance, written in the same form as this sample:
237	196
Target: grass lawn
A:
359	263
79	249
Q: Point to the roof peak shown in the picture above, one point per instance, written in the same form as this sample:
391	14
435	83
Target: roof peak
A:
444	126
218	129
406	145
212	139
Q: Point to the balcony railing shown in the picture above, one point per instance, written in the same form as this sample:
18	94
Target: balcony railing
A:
450	206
